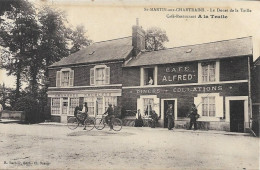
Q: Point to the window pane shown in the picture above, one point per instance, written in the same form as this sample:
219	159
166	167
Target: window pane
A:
65	78
148	106
91	105
55	108
73	103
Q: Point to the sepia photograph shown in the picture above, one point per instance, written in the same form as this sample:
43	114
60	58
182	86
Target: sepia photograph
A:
149	84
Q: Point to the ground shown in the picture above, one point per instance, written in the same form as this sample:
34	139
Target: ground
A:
57	147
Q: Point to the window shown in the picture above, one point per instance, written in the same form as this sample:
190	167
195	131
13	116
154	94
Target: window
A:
91	105
73	103
208	106
100	75
110	100
148	106
149	76
65	78
55	106
208	72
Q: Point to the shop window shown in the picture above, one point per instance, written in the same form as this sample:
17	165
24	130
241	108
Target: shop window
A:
208	72
149	76
91	105
65	78
73	103
208	106
148	106
55	106
110	100
100	75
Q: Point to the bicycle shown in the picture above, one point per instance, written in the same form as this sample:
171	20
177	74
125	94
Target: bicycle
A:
82	121
100	123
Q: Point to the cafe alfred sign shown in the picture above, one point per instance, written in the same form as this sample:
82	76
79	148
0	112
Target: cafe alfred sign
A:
178	74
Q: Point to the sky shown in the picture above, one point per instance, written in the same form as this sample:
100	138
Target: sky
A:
105	20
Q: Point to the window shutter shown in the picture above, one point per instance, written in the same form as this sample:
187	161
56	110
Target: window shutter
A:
140	105
58	78
219	106
92	76
157	106
107	73
197	102
71	81
199	73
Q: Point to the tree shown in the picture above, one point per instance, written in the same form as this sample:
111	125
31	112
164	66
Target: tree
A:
54	44
17	34
155	38
78	38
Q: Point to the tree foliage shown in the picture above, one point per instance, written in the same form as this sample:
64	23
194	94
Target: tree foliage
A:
32	39
155	38
78	38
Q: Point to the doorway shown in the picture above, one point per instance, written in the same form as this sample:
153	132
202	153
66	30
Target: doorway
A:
166	104
237	115
99	106
64	110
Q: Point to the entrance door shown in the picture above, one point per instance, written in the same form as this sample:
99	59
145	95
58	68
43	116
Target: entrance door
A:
236	115
63	118
99	106
166	105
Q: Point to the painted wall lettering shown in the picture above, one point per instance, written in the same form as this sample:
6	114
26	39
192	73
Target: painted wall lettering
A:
178	73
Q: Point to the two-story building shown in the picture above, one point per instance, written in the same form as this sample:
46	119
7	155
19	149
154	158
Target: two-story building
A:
92	75
215	76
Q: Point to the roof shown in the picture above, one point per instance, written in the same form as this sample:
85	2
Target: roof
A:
257	61
206	51
111	50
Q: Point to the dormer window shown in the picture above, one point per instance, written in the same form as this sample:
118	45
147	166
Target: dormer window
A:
149	76
65	77
100	75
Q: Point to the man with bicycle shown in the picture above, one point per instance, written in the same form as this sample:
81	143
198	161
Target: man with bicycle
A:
81	113
110	116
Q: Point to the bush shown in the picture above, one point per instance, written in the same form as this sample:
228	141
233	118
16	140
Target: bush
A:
31	107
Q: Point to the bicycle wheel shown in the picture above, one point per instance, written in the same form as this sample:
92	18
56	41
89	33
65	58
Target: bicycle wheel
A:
117	124
99	124
89	124
72	123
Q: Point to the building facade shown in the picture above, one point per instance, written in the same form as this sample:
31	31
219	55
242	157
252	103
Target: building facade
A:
215	76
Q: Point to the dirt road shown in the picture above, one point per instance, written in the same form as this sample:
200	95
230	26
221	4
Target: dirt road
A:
57	147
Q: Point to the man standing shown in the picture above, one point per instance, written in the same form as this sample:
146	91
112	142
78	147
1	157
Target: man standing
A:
110	116
193	117
170	117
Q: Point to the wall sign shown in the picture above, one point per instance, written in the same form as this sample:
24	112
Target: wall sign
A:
178	73
200	89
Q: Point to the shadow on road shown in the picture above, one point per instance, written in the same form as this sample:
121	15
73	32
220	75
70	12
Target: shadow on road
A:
99	133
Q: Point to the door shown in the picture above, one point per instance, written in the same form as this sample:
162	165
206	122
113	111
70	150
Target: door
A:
236	115
166	105
64	111
99	106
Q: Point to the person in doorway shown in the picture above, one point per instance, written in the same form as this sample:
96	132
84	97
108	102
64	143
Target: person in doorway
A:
170	116
193	117
77	111
139	121
1	110
154	121
110	116
150	82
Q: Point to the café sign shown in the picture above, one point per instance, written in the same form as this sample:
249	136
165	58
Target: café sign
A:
178	73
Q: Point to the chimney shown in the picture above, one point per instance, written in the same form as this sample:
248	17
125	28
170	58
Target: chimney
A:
138	38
